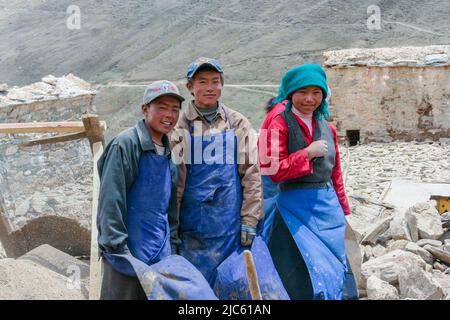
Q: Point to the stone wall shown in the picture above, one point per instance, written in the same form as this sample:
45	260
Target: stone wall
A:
391	93
46	190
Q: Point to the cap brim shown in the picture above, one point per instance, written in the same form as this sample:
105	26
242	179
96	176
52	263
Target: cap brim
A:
199	68
179	97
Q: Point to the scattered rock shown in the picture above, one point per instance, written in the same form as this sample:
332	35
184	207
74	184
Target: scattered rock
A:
428	220
388	267
424	254
433	243
3	87
366	253
415	283
399	229
50	79
439	266
411	222
378	289
446	236
372	235
446	246
444	282
397	245
379	251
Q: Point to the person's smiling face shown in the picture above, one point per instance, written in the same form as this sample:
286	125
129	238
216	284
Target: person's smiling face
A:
307	99
161	115
206	86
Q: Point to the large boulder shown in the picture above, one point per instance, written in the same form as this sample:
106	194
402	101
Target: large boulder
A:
389	266
424	254
429	224
25	280
378	289
444	282
56	260
62	263
433	243
399	228
415	283
377	230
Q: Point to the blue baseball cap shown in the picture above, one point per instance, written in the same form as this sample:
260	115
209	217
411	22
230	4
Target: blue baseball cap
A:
200	62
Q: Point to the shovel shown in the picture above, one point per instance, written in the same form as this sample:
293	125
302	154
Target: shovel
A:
252	276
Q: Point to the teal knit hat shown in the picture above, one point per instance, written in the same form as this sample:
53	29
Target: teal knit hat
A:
304	76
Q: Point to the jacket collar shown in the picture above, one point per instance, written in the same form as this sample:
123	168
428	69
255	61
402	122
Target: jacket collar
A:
145	139
192	114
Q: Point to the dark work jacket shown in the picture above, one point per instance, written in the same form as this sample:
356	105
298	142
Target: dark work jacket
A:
118	169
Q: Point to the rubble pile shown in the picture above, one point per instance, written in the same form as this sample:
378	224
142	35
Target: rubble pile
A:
405	253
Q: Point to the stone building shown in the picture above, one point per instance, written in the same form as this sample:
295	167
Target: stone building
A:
389	94
45	190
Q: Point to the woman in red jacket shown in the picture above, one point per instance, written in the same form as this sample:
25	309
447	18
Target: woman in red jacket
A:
299	151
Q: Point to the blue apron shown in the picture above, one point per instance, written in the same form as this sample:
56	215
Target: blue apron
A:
232	282
211	205
172	278
316	222
161	275
270	205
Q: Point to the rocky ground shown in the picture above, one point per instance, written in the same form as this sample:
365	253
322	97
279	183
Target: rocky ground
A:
405	254
370	168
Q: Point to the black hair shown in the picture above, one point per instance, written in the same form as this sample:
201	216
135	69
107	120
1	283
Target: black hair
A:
206	67
269	105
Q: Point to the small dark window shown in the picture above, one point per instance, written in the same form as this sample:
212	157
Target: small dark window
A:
353	137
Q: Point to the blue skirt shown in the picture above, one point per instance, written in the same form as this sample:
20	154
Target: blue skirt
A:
308	243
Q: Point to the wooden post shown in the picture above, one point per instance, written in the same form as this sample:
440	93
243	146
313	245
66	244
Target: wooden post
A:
94	129
94	132
91	128
95	274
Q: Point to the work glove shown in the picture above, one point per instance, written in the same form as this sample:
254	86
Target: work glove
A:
247	235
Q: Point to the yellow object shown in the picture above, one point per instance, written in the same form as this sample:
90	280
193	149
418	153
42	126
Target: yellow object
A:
443	203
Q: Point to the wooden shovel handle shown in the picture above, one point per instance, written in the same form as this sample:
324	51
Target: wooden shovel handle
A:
252	276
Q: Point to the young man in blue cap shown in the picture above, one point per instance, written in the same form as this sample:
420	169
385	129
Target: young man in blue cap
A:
137	190
220	193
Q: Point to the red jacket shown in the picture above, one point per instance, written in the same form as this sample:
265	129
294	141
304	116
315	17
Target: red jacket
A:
297	164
